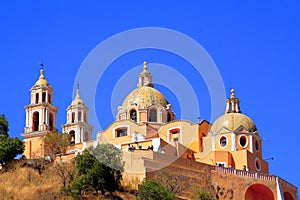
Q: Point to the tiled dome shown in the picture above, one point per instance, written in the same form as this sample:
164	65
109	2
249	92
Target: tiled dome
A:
143	96
233	122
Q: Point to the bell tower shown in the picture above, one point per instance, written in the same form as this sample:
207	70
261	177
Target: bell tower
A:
77	121
40	117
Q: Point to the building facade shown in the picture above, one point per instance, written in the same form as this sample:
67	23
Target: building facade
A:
225	156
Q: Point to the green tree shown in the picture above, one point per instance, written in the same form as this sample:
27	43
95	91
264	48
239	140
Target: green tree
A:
55	143
9	147
153	190
3	125
94	173
109	155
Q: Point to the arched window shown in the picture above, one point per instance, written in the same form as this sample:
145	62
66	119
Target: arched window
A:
133	115
44	97
51	121
79	116
35	121
84	118
49	98
72	136
73	117
153	115
143	80
36	97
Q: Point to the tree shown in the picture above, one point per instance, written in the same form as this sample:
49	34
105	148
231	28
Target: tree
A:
94	171
109	155
153	190
55	143
66	171
203	195
3	125
9	147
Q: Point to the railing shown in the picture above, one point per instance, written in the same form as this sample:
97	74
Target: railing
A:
255	175
245	173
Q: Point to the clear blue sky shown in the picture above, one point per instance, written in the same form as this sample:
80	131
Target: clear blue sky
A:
254	44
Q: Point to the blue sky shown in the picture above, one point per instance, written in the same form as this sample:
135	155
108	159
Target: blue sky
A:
254	45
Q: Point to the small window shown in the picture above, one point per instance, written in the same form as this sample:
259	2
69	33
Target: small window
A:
49	98
243	141
73	117
79	116
143	80
121	132
223	141
175	135
84	118
44	97
153	115
257	164
36	97
133	115
51	121
256	145
36	121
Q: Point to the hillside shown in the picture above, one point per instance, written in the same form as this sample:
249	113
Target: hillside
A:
25	183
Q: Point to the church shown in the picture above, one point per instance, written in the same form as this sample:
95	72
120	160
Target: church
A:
225	156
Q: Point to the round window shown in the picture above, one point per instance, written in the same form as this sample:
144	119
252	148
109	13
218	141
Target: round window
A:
256	145
223	141
243	141
257	164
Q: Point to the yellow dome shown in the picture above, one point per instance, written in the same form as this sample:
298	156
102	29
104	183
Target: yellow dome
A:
42	80
230	122
143	96
77	100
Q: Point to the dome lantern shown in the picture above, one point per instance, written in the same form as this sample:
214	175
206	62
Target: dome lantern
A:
232	104
145	77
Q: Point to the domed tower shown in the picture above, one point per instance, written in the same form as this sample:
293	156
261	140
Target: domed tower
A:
145	103
235	139
40	117
77	121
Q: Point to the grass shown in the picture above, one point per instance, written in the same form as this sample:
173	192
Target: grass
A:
25	183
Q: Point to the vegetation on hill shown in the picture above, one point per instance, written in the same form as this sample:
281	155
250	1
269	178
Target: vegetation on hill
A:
154	190
97	170
9	147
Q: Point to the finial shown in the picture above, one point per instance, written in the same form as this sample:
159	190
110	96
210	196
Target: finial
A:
42	71
145	66
77	90
232	94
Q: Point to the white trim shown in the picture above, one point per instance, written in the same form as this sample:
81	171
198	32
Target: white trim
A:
220	142
120	126
169	132
246	145
251	144
233	141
